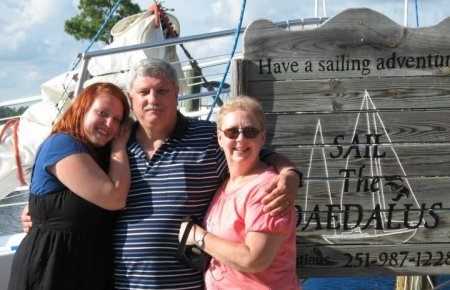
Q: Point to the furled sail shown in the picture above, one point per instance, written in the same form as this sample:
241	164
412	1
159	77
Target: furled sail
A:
21	138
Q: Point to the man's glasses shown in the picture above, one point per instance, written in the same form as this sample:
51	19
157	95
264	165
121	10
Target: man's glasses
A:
249	132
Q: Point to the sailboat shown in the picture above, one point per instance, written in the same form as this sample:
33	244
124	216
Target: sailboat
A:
20	138
56	105
373	127
135	37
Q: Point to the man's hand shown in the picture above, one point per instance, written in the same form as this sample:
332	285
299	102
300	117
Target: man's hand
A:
25	218
281	193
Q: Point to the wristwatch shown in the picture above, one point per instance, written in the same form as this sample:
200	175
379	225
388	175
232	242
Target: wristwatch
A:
200	242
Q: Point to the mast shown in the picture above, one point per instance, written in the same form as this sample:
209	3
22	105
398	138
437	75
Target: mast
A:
414	282
405	19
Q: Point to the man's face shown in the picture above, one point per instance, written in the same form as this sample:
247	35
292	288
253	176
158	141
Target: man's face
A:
154	100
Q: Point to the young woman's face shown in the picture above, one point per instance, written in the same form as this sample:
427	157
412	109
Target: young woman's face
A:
240	136
102	120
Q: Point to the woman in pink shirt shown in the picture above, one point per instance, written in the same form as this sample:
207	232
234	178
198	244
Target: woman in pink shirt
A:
250	249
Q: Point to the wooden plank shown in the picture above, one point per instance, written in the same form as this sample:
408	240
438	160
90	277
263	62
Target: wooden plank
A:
355	43
336	95
392	260
404	160
428	190
363	87
397	126
363	224
239	79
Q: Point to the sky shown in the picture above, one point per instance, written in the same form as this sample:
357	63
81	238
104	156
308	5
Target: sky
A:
34	47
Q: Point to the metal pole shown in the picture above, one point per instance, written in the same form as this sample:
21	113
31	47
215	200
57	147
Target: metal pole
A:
174	41
316	7
405	22
82	76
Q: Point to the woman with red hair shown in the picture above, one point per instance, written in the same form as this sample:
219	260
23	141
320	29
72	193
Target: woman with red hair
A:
80	179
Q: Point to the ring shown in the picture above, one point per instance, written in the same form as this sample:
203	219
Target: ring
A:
286	202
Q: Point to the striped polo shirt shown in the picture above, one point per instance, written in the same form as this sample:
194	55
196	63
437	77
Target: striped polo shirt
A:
179	180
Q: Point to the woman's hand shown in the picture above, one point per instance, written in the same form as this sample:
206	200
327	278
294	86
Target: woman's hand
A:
191	238
124	133
25	218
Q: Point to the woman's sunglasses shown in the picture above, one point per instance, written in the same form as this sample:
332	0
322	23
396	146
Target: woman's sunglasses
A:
249	132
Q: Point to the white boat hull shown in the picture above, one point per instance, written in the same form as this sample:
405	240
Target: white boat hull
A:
8	245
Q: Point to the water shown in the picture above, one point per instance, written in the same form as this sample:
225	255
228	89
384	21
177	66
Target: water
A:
10	211
350	283
10	223
360	283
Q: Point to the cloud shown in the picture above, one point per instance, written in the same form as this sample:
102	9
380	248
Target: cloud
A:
32	27
33	76
34	47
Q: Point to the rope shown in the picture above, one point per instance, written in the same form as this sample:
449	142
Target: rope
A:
172	33
236	38
98	32
417	14
15	124
79	57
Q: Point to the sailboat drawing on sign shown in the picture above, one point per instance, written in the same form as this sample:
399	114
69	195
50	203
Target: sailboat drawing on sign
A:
373	127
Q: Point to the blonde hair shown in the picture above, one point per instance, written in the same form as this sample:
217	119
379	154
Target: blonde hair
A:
244	103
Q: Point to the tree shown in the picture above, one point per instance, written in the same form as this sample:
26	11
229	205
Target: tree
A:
6	112
92	15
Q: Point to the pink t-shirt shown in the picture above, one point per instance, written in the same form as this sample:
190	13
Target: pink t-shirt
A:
231	217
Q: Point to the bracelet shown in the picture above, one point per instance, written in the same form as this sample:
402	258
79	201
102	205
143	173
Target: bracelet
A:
300	175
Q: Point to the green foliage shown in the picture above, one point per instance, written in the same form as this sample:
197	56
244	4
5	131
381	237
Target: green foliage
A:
6	112
92	15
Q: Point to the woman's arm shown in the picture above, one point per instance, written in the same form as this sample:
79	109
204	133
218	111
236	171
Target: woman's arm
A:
81	174
254	255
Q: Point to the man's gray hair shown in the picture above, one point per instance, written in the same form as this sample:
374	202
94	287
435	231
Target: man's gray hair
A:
152	67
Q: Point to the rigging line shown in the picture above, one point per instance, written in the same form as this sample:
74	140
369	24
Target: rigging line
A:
80	57
236	38
98	32
11	195
171	32
12	204
417	14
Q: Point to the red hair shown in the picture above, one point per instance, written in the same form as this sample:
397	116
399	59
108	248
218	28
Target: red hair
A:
72	120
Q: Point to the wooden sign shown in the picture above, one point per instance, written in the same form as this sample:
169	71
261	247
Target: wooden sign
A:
362	106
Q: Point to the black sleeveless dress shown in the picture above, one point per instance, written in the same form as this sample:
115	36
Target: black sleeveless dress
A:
68	247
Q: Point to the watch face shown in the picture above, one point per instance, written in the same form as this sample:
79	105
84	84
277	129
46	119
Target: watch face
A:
196	250
200	241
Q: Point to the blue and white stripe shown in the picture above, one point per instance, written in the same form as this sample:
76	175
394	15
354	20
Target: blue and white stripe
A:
180	180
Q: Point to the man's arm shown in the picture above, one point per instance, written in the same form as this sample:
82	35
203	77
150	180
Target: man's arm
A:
282	190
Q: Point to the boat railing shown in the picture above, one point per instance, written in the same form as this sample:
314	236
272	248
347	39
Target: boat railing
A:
217	65
212	66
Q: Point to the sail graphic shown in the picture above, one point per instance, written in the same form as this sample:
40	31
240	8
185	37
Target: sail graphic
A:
368	120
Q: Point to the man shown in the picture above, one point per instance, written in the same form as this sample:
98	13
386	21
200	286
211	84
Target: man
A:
176	167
